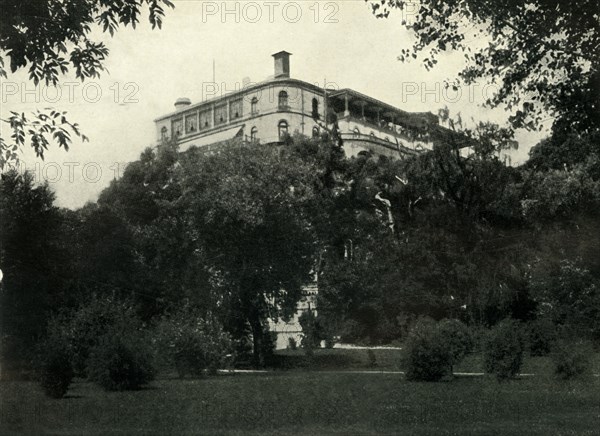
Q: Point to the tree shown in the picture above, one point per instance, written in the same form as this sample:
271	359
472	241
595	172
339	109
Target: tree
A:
570	295
247	207
50	38
543	54
30	257
158	255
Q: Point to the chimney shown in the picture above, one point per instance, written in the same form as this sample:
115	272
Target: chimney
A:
282	64
182	103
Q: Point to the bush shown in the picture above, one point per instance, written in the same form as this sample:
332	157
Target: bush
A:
84	327
542	335
458	338
54	367
311	331
503	351
432	349
191	344
428	356
120	363
571	359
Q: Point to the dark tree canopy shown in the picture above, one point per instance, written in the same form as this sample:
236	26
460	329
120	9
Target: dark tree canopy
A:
50	38
543	54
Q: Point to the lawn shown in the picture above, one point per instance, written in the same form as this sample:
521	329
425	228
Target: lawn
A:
298	402
391	360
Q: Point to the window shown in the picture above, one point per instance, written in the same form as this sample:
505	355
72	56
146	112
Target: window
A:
315	108
254	106
191	123
356	132
205	119
235	109
283	129
253	134
283	100
315	132
177	128
220	114
164	133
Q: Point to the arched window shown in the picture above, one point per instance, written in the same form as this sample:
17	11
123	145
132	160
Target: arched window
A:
315	108
356	132
372	135
253	134
163	133
316	132
283	129
283	100
254	106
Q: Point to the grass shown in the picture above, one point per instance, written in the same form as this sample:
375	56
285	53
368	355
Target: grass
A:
297	402
310	399
391	360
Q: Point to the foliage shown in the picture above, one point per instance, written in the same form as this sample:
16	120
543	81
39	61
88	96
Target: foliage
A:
120	362
458	337
570	295
87	326
38	127
571	358
503	352
428	356
33	260
311	330
248	210
54	366
561	194
559	75
157	254
50	38
541	335
190	343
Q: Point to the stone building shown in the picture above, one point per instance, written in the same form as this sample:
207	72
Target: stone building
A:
268	111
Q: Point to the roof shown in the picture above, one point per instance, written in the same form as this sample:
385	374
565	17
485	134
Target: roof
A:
223	135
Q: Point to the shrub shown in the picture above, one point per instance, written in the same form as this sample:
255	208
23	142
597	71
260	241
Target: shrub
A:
458	338
428	357
311	330
571	359
191	344
541	335
120	363
54	366
84	327
503	351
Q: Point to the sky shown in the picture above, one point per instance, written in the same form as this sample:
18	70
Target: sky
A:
340	44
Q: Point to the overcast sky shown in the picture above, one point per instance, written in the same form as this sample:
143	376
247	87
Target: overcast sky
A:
340	42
